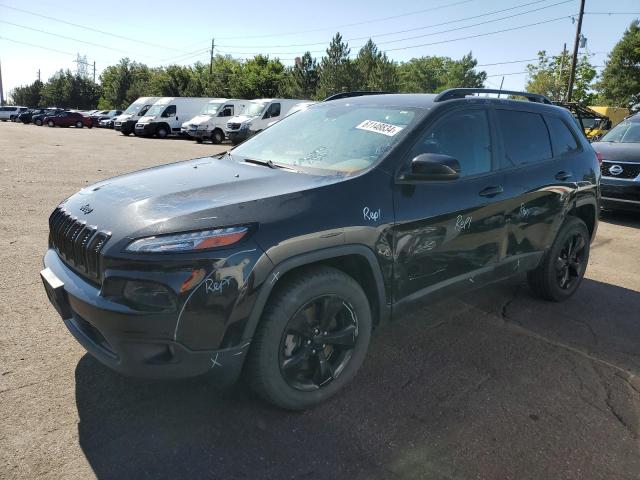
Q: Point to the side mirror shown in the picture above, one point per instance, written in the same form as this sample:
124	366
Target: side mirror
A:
433	166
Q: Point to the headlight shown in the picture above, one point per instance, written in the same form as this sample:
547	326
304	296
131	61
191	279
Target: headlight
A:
244	126
188	242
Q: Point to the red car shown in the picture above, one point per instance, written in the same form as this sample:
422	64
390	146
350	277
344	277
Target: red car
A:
68	119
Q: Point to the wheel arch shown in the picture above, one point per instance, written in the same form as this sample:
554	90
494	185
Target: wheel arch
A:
587	211
357	261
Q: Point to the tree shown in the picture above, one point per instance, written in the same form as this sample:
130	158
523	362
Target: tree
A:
302	79
620	84
66	90
258	77
124	83
173	81
434	74
550	77
374	71
336	70
27	95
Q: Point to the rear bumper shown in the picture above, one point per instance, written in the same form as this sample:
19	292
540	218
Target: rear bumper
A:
133	343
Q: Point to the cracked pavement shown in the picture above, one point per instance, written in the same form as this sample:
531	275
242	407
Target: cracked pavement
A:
491	384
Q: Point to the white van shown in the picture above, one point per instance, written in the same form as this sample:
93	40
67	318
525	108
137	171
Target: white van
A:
258	115
164	117
126	122
210	123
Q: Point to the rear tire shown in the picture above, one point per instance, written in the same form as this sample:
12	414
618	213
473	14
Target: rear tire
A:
38	122
126	134
51	123
198	140
562	268
311	340
79	124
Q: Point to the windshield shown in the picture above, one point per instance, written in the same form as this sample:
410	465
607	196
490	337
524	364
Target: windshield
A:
133	108
210	109
156	110
254	109
624	132
339	138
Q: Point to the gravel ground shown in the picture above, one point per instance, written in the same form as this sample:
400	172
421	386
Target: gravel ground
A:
496	384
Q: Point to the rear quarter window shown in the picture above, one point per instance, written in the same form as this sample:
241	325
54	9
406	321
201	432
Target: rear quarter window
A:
525	137
562	140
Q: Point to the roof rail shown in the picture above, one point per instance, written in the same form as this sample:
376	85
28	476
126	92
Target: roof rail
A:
454	93
338	96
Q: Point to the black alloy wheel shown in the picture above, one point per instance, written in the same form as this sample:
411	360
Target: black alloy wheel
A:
562	269
570	262
318	342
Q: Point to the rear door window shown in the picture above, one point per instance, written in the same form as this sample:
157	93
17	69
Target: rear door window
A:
562	139
525	137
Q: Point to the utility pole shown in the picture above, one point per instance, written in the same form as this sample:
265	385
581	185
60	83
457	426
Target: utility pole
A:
1	90
94	71
211	58
576	44
501	84
38	74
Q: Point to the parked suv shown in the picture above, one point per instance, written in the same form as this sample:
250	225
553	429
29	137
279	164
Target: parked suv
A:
27	117
68	119
283	254
619	151
9	113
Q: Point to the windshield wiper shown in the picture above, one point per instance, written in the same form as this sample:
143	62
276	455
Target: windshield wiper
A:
268	163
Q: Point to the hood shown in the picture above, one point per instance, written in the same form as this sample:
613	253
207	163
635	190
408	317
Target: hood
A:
198	120
242	118
122	118
146	119
621	152
184	196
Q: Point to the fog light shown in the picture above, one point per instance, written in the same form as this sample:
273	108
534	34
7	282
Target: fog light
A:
148	296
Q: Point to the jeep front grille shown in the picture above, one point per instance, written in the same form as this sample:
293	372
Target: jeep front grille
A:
77	243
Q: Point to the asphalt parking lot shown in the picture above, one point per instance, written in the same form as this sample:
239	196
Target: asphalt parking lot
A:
493	385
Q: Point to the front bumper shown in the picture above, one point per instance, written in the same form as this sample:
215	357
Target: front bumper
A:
145	129
127	127
237	136
131	342
620	194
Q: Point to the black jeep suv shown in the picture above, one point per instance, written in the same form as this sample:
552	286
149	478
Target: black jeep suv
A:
280	256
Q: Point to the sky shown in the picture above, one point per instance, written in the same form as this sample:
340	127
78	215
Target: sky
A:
47	36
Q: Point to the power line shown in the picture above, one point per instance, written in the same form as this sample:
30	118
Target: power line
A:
376	35
91	29
63	36
467	37
281	34
612	13
36	46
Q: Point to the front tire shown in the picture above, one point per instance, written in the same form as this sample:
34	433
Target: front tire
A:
162	132
562	268
51	123
78	124
217	136
38	122
311	340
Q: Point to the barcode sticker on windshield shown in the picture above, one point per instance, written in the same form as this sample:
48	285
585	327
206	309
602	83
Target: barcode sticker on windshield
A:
379	127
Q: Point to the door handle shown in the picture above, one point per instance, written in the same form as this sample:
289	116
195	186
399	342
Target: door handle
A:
563	175
491	191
